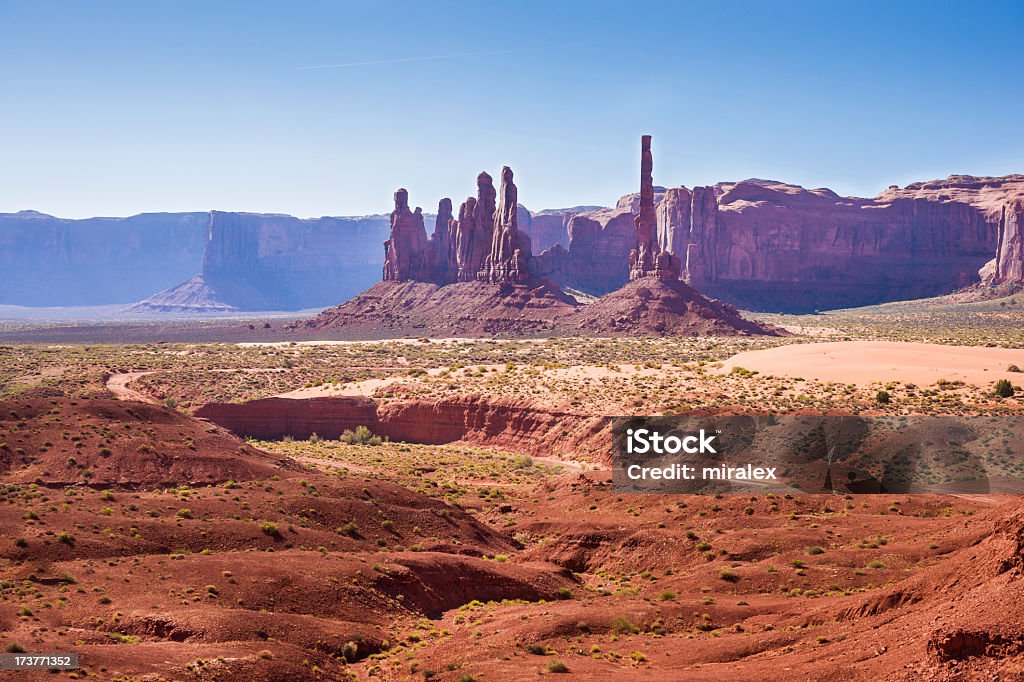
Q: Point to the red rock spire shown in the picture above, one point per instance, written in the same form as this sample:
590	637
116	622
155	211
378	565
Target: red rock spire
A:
647	259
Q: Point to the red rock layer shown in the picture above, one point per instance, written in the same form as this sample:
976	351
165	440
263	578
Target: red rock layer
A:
516	426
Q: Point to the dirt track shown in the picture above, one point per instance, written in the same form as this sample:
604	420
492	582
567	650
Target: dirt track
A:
118	385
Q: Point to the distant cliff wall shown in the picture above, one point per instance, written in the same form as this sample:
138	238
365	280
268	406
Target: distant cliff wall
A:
48	261
257	261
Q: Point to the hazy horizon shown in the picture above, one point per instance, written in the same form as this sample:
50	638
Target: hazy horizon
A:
321	108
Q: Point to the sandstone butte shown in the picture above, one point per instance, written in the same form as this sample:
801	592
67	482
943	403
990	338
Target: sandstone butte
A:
768	245
473	275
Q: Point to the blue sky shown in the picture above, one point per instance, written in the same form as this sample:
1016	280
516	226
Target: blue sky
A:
112	108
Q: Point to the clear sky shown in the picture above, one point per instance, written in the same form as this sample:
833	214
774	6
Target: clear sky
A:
114	108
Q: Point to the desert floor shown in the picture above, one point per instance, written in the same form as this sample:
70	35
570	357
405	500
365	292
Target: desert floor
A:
160	546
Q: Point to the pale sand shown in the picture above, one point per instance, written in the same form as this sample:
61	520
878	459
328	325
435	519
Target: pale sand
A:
364	388
867	362
367	387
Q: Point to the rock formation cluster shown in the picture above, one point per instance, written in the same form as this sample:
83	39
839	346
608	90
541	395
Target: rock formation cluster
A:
484	243
758	244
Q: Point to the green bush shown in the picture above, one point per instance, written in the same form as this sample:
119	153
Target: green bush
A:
1004	389
361	436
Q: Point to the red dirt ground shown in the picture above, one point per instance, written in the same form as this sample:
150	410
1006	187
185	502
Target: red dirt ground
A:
260	569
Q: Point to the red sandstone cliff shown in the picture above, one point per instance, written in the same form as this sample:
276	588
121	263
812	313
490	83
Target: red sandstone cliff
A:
769	245
512	425
1000	202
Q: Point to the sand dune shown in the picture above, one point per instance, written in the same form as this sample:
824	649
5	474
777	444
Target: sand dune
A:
864	362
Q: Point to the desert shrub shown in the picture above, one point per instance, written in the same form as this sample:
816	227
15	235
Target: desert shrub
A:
556	666
624	627
271	529
728	576
883	398
537	649
1004	389
361	436
815	550
1014	368
523	462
